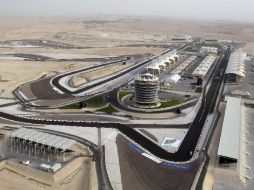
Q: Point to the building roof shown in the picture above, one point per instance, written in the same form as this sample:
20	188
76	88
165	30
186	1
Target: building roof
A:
209	49
184	65
174	78
153	66
236	63
230	135
204	66
43	138
147	77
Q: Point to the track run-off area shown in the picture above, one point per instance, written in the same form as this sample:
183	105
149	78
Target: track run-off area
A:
187	147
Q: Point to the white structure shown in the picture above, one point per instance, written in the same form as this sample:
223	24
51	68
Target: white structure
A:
236	69
26	162
175	57
48	168
230	135
39	144
45	167
55	168
34	136
161	65
173	79
184	65
236	137
182	38
153	69
209	50
204	66
147	89
171	142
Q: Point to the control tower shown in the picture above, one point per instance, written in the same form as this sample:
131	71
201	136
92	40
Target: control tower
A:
146	90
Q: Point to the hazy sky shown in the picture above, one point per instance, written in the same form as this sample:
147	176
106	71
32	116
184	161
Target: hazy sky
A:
239	10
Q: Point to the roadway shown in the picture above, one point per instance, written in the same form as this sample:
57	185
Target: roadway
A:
128	74
123	76
189	143
52	93
112	98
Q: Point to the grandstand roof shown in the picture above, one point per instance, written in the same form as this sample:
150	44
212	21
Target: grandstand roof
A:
230	135
236	64
204	66
184	65
43	138
209	49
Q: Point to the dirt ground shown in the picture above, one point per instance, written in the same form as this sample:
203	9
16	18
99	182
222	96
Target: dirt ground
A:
84	78
139	173
18	72
12	177
108	37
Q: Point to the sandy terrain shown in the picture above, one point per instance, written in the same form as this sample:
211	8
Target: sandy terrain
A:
16	73
104	37
75	32
83	78
13	175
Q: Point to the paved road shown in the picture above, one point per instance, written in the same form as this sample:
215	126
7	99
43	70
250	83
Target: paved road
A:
136	68
66	98
113	100
189	143
130	72
140	173
42	89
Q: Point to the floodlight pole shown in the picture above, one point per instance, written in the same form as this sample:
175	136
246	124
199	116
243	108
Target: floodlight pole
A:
11	144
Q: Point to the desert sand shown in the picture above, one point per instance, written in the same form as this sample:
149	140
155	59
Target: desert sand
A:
75	176
109	36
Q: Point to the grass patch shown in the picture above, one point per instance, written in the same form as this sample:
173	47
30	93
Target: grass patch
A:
174	102
123	94
249	105
108	109
98	100
198	89
170	103
190	49
72	106
199	45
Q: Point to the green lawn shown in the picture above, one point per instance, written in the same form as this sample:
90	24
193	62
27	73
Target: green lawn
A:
190	49
72	106
198	89
108	109
170	103
98	100
249	105
122	94
198	46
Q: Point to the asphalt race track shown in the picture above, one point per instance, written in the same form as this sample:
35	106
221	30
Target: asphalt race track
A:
113	100
55	81
189	143
50	98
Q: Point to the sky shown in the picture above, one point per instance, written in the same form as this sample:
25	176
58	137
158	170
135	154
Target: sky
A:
235	10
